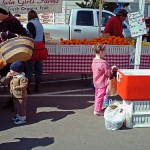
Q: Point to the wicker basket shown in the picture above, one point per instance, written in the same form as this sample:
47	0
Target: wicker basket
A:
17	49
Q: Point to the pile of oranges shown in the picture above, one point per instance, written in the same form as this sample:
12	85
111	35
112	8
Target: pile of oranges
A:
2	63
111	40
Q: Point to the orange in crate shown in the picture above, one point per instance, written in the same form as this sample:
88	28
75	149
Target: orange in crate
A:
133	84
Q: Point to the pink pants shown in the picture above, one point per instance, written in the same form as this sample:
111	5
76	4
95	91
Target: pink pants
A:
99	98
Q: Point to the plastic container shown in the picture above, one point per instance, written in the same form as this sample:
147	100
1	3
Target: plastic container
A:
52	49
118	49
137	113
69	49
145	50
133	84
106	101
87	49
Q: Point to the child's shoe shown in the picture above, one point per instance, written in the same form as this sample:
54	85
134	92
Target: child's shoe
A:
16	117
99	113
20	120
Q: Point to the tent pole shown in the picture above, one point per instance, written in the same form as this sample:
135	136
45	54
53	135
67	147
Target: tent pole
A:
139	38
100	17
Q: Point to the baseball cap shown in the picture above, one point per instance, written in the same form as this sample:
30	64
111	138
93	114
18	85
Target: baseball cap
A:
122	12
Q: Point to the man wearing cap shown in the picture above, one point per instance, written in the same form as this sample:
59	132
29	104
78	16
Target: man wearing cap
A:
146	37
9	23
114	24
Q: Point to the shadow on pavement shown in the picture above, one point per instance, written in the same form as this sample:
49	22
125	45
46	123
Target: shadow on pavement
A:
27	143
46	105
53	116
66	105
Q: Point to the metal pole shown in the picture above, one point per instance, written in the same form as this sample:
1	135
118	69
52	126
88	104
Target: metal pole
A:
139	38
100	17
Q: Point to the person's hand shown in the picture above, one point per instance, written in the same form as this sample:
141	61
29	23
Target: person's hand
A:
114	68
114	71
9	75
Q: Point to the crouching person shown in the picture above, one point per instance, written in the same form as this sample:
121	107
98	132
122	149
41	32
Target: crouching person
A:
18	89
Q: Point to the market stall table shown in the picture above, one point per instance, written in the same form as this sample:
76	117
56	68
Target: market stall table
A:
78	60
80	64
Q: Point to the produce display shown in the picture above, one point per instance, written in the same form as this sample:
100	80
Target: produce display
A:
111	40
2	63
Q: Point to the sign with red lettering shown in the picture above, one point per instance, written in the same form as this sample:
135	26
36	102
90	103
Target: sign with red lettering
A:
40	6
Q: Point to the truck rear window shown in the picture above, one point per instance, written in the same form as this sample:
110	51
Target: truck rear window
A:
85	18
105	17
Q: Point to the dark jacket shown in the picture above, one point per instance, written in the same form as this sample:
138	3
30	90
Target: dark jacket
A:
13	25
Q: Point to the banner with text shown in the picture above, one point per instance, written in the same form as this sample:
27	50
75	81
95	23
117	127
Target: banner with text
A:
40	6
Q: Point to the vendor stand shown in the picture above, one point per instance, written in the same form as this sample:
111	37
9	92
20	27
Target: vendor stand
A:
136	106
77	59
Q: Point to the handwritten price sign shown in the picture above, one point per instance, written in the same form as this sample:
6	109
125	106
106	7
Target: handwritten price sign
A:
137	24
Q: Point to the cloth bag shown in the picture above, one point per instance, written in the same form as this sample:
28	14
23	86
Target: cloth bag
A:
112	87
114	116
40	52
17	49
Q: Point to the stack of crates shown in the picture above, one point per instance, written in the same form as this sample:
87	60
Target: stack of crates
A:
133	86
137	113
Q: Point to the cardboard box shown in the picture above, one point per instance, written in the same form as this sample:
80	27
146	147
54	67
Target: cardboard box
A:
133	84
47	36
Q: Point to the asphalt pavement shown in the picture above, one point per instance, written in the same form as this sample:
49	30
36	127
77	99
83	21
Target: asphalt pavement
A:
60	117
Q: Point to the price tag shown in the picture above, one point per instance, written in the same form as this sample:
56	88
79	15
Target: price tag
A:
137	24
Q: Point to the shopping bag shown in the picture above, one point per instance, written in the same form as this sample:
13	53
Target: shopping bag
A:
114	116
40	52
113	87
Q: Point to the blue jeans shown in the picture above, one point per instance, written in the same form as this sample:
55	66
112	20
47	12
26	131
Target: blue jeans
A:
34	67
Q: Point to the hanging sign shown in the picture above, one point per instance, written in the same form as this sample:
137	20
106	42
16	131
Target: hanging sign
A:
40	6
137	24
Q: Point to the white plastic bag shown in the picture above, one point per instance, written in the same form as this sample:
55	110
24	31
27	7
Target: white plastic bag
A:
114	116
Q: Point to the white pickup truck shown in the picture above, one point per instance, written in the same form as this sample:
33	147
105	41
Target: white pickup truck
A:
83	23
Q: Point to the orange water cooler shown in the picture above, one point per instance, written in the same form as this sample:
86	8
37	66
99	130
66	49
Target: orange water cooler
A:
133	86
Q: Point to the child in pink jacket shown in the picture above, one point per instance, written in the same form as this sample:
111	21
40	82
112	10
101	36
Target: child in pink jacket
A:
101	73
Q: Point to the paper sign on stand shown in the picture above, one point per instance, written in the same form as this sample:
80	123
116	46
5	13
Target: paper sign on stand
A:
137	24
139	38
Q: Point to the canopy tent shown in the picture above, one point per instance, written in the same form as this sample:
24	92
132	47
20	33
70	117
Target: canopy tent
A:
139	38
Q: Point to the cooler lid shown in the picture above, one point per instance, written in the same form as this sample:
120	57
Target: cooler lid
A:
141	72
